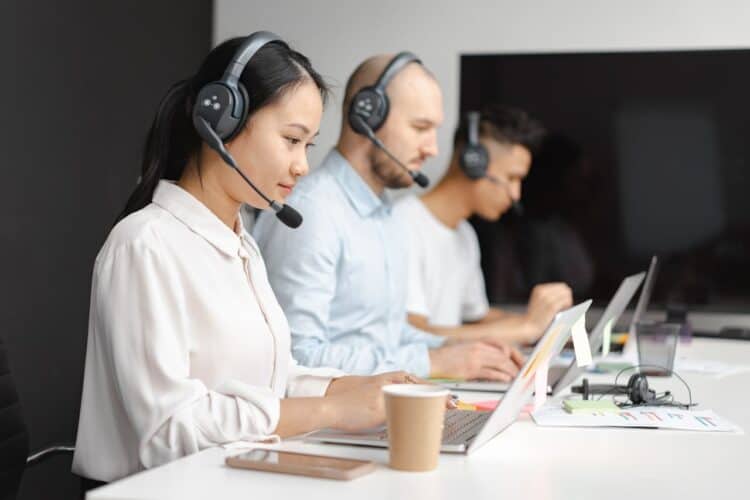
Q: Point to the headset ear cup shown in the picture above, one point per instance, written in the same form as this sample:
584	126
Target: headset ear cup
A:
371	105
214	103
585	388
632	392
474	161
244	101
638	390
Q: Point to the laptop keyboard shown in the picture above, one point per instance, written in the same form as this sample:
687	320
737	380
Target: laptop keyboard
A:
460	426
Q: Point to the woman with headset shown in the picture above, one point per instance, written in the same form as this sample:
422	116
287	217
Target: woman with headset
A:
187	345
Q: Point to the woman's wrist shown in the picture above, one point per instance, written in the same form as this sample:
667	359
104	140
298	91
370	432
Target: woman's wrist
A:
343	384
330	412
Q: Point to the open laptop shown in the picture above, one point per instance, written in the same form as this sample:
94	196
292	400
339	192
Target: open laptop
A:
465	431
630	351
560	376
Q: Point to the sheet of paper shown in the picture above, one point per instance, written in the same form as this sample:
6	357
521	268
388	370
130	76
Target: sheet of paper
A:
607	337
581	342
540	384
718	369
643	416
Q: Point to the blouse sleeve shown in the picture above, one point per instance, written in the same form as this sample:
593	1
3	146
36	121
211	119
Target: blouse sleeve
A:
139	318
308	382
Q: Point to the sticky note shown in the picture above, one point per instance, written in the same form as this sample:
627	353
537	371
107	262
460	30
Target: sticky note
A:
491	404
540	384
607	338
581	342
460	405
589	405
488	405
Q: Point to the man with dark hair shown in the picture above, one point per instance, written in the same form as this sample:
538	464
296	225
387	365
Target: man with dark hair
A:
446	288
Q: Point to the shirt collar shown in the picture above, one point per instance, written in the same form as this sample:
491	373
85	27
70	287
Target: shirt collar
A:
360	195
198	217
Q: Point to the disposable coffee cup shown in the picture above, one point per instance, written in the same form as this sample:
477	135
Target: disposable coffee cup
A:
415	414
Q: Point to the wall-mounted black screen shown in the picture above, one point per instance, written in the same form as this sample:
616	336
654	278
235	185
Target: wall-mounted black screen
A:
647	153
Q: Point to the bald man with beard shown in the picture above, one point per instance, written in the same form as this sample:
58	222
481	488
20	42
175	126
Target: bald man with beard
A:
341	276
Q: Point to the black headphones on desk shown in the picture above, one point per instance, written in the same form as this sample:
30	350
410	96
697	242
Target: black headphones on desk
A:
636	389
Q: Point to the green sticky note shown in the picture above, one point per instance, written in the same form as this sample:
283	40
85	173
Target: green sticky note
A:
589	405
607	338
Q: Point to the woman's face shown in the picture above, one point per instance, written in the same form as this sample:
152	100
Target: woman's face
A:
272	149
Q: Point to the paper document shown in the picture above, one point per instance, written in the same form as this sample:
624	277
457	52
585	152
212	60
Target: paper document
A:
642	416
718	369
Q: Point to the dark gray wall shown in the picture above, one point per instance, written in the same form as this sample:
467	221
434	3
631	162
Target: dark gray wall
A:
82	81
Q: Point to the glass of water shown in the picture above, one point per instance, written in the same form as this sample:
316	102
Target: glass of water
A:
657	344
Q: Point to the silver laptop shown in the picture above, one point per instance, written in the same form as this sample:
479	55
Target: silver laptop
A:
630	351
561	376
465	431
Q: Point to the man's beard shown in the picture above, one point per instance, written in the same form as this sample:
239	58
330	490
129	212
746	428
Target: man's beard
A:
391	175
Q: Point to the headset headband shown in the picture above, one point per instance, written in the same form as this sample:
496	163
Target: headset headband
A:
472	118
244	53
396	64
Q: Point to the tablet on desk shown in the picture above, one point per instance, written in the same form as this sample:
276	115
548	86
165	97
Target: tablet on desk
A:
301	463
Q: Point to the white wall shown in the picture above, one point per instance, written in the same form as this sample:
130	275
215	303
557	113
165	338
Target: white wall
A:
337	35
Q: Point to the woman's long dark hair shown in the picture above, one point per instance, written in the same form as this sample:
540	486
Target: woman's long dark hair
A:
172	141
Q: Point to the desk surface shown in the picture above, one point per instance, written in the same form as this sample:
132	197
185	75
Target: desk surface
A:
525	461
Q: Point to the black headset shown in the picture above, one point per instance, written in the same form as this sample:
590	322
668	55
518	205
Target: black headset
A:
224	103
637	390
369	110
474	158
220	111
371	103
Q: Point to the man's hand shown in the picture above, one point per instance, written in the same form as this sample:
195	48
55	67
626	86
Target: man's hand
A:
545	301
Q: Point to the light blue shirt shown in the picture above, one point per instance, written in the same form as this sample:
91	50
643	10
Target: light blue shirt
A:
341	277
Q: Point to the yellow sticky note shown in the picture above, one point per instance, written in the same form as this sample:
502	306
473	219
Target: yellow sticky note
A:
581	342
607	337
460	405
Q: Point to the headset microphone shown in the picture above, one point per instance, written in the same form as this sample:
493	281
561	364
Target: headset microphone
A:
418	177
285	213
516	205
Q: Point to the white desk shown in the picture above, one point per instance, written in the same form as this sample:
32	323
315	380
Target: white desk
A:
525	461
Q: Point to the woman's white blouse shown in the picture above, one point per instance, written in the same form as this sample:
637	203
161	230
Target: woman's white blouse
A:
187	345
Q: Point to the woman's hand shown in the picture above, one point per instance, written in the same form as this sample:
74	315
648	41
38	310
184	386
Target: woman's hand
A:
348	383
358	402
358	409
